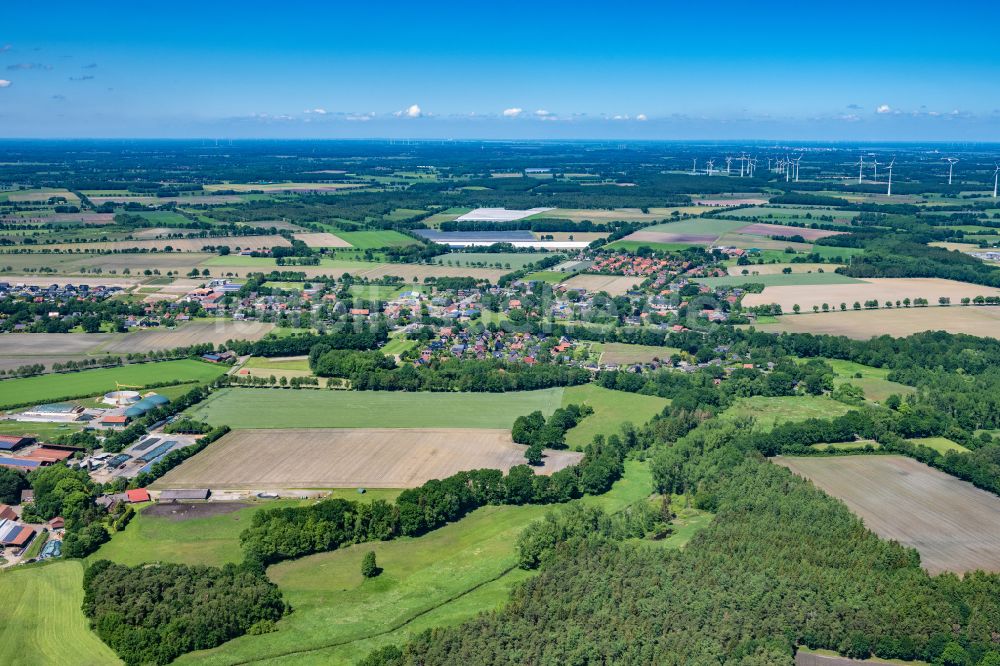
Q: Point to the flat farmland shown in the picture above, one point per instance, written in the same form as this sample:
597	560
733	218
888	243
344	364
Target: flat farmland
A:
75	264
880	289
41	622
195	332
898	322
275	408
616	285
321	240
513	259
349	458
621	353
771	280
371	240
952	524
46	388
612	410
776	269
280	187
762	229
767	411
179	244
422	271
623	214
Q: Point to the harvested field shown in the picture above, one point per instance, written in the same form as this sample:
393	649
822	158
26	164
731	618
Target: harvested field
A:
956	247
623	354
776	269
321	240
43	195
624	214
587	236
180	244
952	524
880	289
898	322
763	229
195	332
750	241
51	344
203	199
616	285
349	458
157	232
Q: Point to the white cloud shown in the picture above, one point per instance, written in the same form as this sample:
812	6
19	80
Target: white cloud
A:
360	117
641	117
413	112
542	113
4	83
883	108
513	112
317	111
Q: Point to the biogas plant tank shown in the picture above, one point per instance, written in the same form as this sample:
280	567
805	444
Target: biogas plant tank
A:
121	398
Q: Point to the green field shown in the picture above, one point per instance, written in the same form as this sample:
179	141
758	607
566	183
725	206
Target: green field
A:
154	538
632	246
770	411
42	431
286	286
277	363
512	260
872	380
376	292
940	444
846	446
552	277
398	344
612	409
262	263
621	353
275	408
778	280
41	623
45	388
372	240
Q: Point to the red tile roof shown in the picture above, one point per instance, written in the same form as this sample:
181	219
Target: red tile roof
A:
137	495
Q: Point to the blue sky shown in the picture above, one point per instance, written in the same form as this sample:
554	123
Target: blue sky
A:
876	70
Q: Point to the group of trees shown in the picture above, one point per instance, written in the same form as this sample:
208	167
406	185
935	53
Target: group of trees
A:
539	433
152	614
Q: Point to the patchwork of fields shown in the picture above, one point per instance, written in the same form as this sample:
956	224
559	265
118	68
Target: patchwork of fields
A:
879	289
898	322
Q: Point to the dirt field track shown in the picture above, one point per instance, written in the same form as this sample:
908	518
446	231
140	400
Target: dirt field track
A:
349	458
981	321
880	289
616	285
954	525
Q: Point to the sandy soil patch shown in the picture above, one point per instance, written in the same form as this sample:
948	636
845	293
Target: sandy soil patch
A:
880	289
616	285
349	458
952	524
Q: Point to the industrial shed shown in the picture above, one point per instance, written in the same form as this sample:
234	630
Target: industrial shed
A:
184	494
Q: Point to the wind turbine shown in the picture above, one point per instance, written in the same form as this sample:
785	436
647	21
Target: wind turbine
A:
888	192
951	165
797	160
769	165
743	159
729	161
788	169
995	172
694	168
711	164
875	162
861	168
753	165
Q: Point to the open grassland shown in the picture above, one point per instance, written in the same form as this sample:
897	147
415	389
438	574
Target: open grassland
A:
439	579
278	363
372	240
41	623
873	381
45	388
898	322
615	285
619	214
612	410
349	458
624	354
940	444
275	408
954	525
768	412
39	430
880	289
